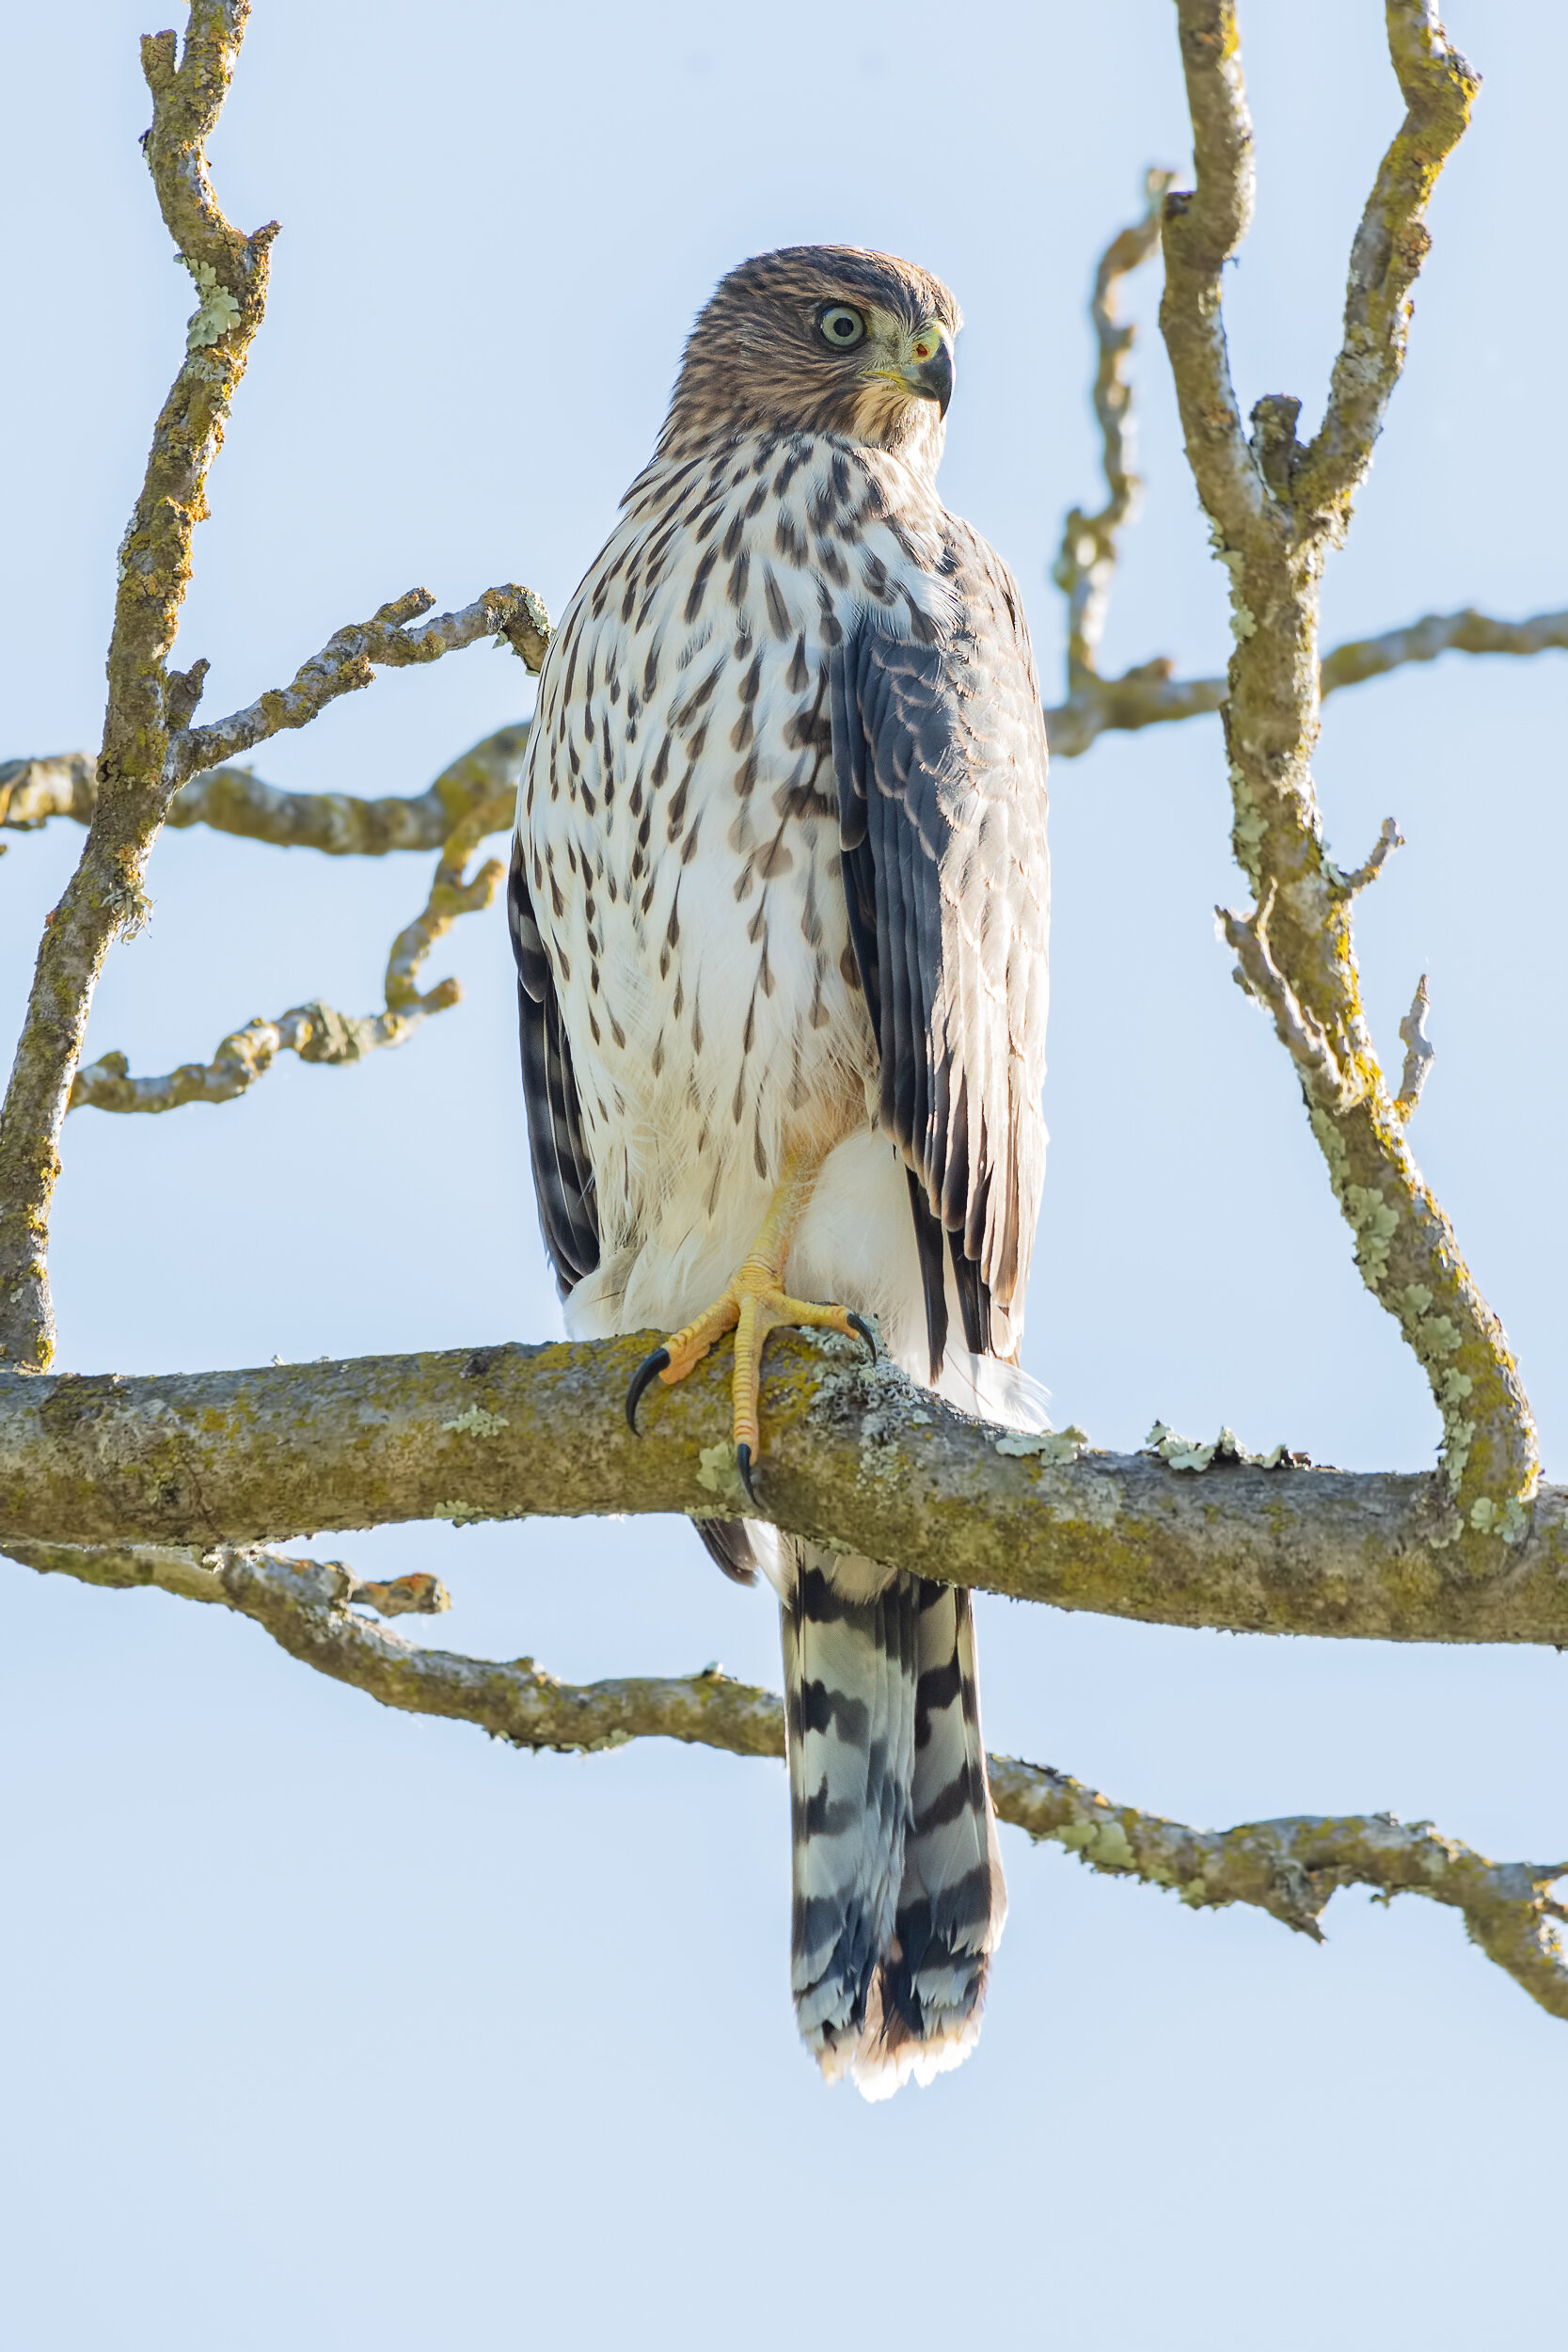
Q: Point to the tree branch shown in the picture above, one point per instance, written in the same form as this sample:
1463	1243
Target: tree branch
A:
1392	242
1290	1868
234	801
104	896
856	1457
1275	510
350	660
315	1032
1085	567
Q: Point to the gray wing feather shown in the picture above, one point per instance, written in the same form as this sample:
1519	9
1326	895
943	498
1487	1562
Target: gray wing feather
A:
940	755
563	1171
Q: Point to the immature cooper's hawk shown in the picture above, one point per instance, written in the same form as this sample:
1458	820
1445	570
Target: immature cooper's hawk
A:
779	901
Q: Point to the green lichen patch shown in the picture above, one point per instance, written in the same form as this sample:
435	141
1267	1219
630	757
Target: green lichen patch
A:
1375	1222
1103	1843
217	310
1055	1446
717	1474
477	1422
463	1514
1190	1453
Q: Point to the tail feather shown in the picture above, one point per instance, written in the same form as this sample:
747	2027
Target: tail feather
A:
952	1903
898	1894
850	1678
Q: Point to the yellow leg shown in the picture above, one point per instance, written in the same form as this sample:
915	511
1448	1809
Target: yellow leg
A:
753	1303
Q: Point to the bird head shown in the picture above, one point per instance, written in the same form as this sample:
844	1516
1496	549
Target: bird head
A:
820	339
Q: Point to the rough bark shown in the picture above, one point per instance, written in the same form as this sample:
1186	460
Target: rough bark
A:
856	1457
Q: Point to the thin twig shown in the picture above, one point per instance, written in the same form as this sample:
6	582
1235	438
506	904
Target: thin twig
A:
1419	1052
1351	884
315	1032
1288	1869
236	800
1300	1034
1085	567
350	660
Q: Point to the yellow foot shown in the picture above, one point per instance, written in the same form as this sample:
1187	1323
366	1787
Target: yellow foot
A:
752	1305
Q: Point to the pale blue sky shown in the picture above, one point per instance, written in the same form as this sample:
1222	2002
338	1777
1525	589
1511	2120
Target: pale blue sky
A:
330	2025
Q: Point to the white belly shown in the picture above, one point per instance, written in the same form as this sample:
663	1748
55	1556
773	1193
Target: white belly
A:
679	816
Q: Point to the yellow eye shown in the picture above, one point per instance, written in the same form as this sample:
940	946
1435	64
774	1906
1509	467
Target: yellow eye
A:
839	326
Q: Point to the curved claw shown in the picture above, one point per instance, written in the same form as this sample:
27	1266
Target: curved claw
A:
649	1369
858	1323
743	1465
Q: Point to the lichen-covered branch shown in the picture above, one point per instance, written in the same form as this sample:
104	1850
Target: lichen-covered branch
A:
315	1032
1288	1869
1151	695
149	746
855	1455
1275	509
236	800
350	660
340	824
1291	1868
1440	632
104	896
1439	89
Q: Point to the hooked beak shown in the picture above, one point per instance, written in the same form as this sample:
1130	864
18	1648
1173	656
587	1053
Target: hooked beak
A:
929	372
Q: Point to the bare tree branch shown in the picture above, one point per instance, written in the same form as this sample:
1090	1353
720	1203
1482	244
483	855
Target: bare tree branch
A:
315	1032
1440	632
1275	510
1290	1868
350	660
149	747
1084	569
1439	88
104	896
235	800
857	1456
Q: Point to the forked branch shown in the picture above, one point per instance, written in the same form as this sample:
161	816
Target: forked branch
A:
314	1031
104	896
1275	510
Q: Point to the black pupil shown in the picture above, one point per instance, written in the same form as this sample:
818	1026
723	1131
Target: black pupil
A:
844	326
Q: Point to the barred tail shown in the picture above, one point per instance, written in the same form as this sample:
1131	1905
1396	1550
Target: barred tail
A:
952	1903
899	1897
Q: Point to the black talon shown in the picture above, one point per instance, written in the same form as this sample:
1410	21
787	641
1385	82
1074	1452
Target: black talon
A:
858	1323
649	1369
743	1464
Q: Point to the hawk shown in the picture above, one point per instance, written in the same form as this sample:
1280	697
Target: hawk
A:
779	901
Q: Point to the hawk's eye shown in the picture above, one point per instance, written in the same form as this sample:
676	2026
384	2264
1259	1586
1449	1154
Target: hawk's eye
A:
841	327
